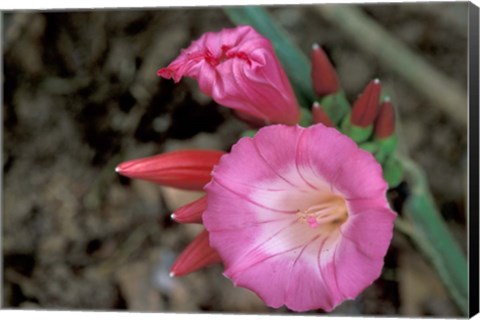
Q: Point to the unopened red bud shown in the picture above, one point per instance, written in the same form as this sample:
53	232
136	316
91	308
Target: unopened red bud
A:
192	212
324	76
185	169
320	116
385	124
196	255
365	109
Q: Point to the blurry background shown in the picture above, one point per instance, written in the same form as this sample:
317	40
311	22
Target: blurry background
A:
81	95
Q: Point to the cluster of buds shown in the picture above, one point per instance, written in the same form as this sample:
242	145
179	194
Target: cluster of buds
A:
370	122
269	213
186	170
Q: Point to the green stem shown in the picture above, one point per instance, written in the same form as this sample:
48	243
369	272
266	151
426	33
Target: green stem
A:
432	236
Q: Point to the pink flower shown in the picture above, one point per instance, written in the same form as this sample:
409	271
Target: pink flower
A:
299	216
238	68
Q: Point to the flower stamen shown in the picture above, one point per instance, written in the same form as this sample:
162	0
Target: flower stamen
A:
330	212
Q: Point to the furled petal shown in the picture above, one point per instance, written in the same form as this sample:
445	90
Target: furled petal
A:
192	212
289	225
365	109
385	123
196	255
320	116
238	68
185	169
324	77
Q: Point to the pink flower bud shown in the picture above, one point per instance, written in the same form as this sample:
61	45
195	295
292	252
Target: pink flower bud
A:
324	76
238	68
320	116
385	124
365	109
196	255
186	169
192	212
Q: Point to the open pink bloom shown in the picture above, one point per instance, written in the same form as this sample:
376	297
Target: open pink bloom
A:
238	68
299	216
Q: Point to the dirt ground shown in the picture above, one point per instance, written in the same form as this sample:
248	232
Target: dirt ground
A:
81	95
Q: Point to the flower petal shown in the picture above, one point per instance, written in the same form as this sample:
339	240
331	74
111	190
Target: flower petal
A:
361	177
238	68
370	231
196	255
354	269
324	77
262	197
184	169
192	212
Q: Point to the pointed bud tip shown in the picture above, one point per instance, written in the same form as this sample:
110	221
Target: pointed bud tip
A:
323	74
385	122
171	274
320	116
172	216
366	107
387	99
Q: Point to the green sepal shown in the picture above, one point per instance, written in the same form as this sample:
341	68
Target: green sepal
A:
371	147
392	171
249	133
336	106
387	145
358	134
305	117
380	155
374	148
